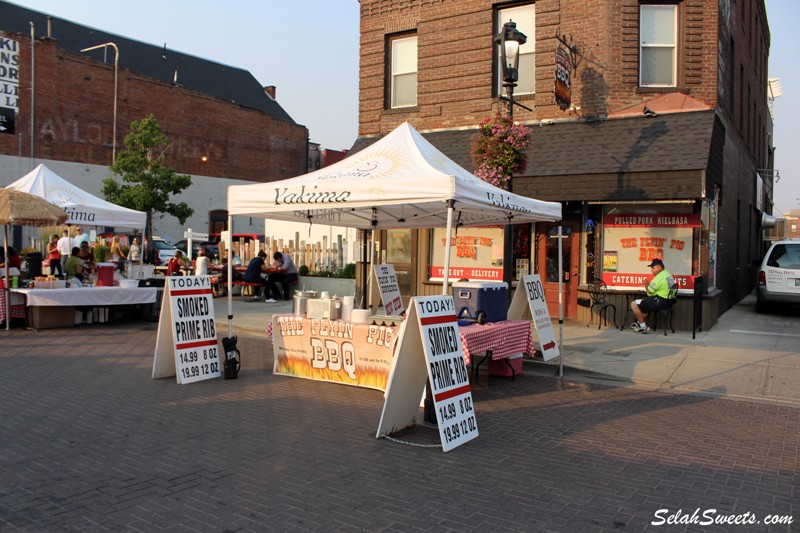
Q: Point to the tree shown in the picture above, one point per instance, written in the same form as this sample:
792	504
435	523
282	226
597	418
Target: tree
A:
147	183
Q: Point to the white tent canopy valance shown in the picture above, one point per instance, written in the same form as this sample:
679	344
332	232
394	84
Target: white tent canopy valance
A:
400	181
80	206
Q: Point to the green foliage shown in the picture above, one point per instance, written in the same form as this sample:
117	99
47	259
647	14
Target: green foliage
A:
348	272
303	270
147	182
100	252
499	150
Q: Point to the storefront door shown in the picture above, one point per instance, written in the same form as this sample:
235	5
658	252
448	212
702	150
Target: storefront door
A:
400	243
547	251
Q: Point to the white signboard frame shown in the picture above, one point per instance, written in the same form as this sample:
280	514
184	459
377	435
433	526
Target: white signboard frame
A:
430	346
530	290
186	344
389	289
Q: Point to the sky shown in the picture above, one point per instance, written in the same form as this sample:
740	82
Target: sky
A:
308	49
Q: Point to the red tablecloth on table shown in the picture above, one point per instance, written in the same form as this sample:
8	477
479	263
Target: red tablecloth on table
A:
504	339
16	311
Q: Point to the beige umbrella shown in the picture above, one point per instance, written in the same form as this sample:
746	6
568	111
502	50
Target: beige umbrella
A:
23	209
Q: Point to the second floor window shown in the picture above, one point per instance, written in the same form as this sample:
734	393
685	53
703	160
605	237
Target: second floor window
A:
658	44
403	75
525	19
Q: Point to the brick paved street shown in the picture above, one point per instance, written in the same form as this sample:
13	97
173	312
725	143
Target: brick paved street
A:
90	442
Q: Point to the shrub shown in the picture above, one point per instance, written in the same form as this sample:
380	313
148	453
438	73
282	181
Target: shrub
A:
303	270
100	252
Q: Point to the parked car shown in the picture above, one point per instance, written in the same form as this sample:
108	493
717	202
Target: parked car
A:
212	250
779	276
165	250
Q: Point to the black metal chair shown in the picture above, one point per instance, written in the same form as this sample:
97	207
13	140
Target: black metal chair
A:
667	312
598	291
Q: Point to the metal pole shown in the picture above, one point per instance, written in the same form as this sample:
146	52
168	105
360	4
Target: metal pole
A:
228	245
33	92
446	273
560	305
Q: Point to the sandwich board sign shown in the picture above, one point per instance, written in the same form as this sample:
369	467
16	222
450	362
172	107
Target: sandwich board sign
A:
186	343
389	289
429	347
533	295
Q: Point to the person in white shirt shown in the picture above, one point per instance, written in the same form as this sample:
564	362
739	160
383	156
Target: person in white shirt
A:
285	277
64	246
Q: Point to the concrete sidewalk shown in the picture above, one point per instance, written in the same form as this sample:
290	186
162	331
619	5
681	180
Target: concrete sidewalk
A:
744	355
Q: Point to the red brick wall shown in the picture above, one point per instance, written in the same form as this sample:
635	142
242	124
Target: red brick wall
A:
74	121
455	59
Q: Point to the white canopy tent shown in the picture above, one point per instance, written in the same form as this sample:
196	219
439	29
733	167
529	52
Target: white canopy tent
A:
400	181
80	206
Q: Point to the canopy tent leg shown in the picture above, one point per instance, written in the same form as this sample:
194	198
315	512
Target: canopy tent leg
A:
446	273
7	267
230	277
560	304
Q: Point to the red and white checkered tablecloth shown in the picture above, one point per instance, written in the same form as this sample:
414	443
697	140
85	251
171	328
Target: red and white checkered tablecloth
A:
16	311
505	339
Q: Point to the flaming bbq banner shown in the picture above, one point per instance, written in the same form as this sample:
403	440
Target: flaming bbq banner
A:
632	240
333	350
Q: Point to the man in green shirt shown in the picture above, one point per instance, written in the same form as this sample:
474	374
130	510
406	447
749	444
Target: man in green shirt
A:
74	265
657	296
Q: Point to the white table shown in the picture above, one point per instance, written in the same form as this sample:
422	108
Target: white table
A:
55	308
88	296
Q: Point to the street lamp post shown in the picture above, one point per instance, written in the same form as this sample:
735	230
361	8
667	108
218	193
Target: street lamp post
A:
116	83
509	39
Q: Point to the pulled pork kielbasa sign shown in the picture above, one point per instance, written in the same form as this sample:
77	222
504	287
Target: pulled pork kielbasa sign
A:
186	345
430	346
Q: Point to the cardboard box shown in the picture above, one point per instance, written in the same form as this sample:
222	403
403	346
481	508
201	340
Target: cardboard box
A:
501	369
473	298
51	317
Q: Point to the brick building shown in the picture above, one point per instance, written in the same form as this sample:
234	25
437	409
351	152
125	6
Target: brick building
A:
658	149
225	128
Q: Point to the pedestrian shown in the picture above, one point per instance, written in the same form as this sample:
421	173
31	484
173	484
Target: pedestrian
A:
657	296
64	247
54	256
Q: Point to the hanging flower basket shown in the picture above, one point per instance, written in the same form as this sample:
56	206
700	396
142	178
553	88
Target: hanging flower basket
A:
498	150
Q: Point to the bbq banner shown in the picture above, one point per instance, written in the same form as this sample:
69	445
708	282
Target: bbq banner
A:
333	350
632	240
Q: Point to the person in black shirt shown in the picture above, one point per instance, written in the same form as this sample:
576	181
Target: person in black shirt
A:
255	268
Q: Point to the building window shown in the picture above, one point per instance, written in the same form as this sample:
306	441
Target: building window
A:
658	38
525	19
403	71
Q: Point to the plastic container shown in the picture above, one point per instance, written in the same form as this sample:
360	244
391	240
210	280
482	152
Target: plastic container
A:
502	369
348	303
481	300
105	274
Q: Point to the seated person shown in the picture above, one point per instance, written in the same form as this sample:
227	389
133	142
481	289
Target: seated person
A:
175	264
255	268
287	274
222	280
86	255
75	265
14	260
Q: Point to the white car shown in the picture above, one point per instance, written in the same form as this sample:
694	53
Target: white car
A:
779	276
165	250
